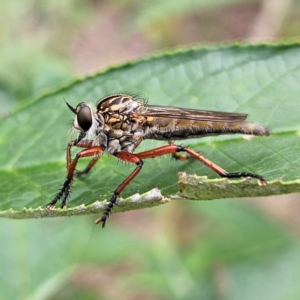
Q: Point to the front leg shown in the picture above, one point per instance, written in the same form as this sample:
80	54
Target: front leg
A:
65	190
87	144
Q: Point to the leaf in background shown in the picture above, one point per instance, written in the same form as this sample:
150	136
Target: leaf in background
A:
259	80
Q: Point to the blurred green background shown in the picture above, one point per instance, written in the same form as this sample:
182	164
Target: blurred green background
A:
235	249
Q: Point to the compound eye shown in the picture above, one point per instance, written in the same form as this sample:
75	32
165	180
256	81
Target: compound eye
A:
84	117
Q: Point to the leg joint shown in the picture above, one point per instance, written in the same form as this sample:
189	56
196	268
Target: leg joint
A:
71	143
180	148
140	163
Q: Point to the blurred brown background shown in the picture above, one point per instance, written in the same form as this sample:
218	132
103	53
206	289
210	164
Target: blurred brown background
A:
46	42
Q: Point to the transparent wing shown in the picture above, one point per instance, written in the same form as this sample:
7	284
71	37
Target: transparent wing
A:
190	114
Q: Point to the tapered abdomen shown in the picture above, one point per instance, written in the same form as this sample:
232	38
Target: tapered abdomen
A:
176	129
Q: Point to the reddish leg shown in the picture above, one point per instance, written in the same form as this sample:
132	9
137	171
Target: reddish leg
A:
83	144
128	157
168	149
71	165
96	151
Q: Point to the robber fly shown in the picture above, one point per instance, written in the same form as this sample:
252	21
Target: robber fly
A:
120	122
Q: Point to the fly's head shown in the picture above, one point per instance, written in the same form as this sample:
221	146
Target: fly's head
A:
84	121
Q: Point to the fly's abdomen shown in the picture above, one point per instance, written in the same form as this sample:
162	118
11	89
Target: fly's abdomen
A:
176	129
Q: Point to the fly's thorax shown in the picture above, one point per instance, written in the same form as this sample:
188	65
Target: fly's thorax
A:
118	112
122	124
128	140
119	104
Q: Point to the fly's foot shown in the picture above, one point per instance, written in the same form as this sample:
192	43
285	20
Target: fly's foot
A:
64	192
102	220
50	206
107	211
260	180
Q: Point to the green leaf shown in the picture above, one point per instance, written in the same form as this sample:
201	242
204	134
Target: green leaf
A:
262	81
